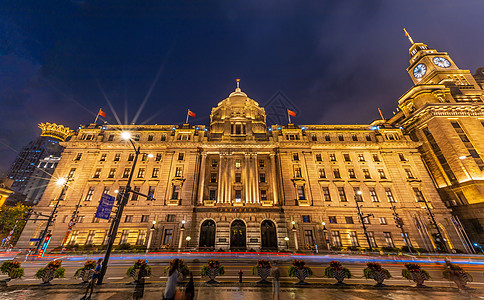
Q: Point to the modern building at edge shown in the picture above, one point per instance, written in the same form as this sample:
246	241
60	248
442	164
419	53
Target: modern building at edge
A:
239	184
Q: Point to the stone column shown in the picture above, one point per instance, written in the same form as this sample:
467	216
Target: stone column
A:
228	185
273	177
247	179
256	180
201	179
219	179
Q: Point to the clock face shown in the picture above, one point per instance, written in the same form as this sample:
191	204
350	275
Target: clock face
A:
441	62
419	71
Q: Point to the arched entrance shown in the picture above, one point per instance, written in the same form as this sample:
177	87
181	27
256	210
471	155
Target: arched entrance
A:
237	235
268	235
207	234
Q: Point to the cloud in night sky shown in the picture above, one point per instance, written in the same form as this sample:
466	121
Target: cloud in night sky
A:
338	60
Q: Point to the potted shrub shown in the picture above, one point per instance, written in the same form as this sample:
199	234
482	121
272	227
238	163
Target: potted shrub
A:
182	268
53	270
139	270
455	273
212	269
300	271
337	271
85	272
262	269
414	272
374	271
12	269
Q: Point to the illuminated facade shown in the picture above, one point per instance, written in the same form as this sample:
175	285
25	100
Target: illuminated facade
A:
239	184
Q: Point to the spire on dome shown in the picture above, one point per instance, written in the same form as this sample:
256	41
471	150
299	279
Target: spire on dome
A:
238	83
408	35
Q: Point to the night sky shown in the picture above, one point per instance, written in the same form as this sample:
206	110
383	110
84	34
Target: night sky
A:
338	61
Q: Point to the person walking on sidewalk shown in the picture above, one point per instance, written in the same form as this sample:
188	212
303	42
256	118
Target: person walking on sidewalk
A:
173	273
276	283
93	281
190	289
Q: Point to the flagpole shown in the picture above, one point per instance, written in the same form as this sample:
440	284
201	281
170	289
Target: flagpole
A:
289	117
186	122
97	116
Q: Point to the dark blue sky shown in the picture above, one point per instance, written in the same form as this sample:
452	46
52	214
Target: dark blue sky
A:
337	60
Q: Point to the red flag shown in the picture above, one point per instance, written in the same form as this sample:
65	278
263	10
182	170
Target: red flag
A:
381	115
101	113
291	113
191	114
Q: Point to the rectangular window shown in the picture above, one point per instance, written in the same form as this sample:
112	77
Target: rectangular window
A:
78	156
346	157
112	172
71	173
381	173
111	138
135	196
418	195
144	157
163	137
124	237
306	218
308	237
213	177
158	157
332	220
402	157
383	220
103	157
170	218
167	237
366	220
409	174
371	237
131	157
179	172
80	219
151	192
342	194
176	192
261	163
368	137
314	138
358	197
212	194
340	137
97	173
238	195
388	192
90	237
354	239
117	156
300	192
141	172
181	156
349	220
321	173
295	156
373	195
214	163
332	157
336	173
297	172
376	158
366	173
128	219
237	163
136	137
106	190
327	138
262	177
351	173
73	239
361	157
145	218
156	172
263	195
141	237
150	138
354	137
89	194
336	238
126	172
238	177
388	239
326	194
318	157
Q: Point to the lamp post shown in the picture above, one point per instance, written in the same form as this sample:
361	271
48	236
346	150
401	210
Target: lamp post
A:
120	205
152	229
182	229
296	245
399	224
362	217
439	237
325	232
188	238
64	182
287	242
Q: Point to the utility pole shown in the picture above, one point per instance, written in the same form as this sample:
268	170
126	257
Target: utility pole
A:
434	223
362	217
399	224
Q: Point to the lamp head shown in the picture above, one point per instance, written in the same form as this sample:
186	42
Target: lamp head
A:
462	157
154	222
125	135
188	238
286	239
183	221
61	181
359	192
150	155
324	223
293	222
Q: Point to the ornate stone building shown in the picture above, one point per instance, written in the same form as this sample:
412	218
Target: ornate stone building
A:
239	184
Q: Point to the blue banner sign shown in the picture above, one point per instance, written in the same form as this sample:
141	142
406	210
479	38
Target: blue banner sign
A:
105	207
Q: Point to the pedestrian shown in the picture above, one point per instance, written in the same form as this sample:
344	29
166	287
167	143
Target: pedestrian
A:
276	284
173	273
93	281
140	283
28	253
190	289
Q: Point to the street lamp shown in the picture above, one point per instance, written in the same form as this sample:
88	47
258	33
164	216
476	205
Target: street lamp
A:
188	238
325	232
182	229
287	242
296	245
121	204
152	229
399	224
362	217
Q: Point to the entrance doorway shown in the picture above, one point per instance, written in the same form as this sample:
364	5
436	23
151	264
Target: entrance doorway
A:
207	234
237	235
268	235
